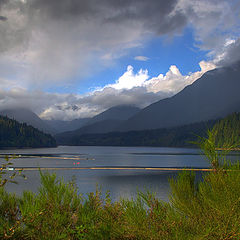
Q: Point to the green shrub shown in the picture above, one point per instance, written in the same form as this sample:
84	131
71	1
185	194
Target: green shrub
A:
198	209
209	209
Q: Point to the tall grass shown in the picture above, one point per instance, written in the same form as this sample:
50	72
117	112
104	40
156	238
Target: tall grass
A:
206	209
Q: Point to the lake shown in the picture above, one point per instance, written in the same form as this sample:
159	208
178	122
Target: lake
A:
120	183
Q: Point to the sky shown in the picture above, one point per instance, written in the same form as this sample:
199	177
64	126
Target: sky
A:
68	59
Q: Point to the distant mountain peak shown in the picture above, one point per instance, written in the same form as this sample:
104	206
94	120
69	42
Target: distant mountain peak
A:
106	121
119	112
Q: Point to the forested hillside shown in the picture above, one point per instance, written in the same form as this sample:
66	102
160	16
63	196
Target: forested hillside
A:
165	137
24	115
15	134
228	130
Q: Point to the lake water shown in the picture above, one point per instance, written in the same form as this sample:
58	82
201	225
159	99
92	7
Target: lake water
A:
120	183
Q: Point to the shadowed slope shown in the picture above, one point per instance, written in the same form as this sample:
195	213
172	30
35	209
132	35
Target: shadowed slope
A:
212	96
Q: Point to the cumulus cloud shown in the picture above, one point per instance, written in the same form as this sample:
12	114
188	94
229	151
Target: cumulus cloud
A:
130	89
173	81
129	79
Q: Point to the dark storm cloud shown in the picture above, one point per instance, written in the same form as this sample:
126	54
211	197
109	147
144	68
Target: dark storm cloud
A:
62	39
231	54
153	14
66	38
64	9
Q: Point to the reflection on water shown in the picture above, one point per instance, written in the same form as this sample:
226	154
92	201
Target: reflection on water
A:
123	184
120	183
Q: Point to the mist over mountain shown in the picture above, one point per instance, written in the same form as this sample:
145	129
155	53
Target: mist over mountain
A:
120	113
110	119
100	127
23	115
212	96
104	122
64	126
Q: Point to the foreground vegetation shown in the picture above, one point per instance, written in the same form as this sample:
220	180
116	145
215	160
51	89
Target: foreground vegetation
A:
206	209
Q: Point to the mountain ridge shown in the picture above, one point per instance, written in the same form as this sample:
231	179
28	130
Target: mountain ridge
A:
212	96
65	126
24	115
120	112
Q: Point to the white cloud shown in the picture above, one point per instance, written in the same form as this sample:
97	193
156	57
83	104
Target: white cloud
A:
65	111
131	88
141	58
173	81
129	79
213	21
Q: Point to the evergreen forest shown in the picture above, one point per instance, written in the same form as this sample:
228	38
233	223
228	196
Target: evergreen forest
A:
14	134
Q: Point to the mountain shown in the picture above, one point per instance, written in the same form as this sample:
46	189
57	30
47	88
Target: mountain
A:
166	137
99	127
23	115
64	126
121	112
227	131
15	134
110	119
104	126
104	122
212	96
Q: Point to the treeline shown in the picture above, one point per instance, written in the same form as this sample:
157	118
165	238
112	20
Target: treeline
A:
228	129
15	134
166	137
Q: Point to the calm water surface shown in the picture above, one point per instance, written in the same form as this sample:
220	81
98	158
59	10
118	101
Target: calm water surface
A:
120	183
